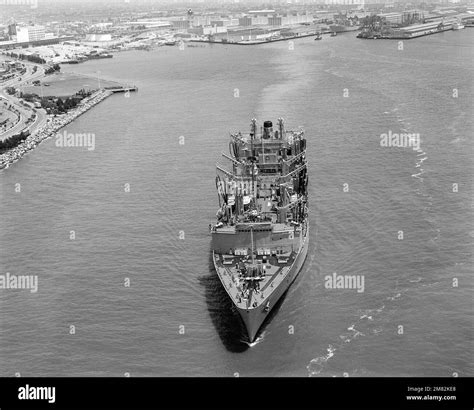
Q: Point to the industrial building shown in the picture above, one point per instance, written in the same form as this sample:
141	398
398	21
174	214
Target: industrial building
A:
30	33
271	18
99	37
402	18
419	30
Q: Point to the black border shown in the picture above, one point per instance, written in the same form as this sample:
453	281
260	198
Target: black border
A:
237	393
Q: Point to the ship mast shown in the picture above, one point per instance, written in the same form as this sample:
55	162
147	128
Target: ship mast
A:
251	239
253	134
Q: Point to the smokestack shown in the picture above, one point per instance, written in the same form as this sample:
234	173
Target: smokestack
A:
267	129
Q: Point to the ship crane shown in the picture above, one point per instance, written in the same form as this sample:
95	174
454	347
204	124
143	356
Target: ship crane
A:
293	204
232	159
296	171
296	157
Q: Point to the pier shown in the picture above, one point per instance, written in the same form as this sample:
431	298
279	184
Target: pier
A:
259	41
434	26
124	89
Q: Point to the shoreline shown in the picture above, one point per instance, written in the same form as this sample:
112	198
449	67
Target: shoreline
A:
262	41
52	126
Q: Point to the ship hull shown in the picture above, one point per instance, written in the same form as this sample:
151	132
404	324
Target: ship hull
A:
253	318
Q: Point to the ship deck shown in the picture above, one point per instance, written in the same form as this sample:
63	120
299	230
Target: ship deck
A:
276	267
276	227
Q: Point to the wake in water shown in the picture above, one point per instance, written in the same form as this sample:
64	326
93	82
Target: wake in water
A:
369	323
367	320
427	199
419	163
405	126
316	365
258	340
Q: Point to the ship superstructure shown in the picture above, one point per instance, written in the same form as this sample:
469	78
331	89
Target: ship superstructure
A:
260	239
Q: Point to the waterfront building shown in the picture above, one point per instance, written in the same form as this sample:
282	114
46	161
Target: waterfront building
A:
290	19
102	37
180	23
393	18
150	23
211	30
30	33
419	30
261	13
402	18
245	21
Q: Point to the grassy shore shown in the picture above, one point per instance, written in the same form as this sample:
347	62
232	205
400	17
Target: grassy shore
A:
67	84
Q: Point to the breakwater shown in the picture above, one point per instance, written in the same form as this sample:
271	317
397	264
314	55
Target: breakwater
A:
52	126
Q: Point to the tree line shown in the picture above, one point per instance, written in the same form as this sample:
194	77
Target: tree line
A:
13	141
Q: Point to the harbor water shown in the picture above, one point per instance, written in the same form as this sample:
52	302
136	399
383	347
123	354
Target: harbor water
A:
118	235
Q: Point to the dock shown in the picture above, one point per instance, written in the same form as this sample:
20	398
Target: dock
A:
418	30
121	89
259	41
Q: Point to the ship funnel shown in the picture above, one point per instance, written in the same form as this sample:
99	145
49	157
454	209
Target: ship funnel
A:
267	129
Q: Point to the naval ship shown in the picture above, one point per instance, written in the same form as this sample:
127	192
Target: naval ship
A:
260	238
